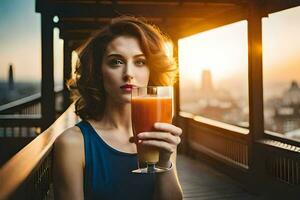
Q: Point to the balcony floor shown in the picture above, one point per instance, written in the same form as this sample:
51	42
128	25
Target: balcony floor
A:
200	181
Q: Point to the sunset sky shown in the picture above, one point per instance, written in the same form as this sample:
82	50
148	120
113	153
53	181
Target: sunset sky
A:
223	50
20	41
281	45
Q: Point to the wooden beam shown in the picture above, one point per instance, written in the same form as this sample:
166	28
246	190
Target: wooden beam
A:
42	4
95	23
79	25
47	90
255	82
76	30
67	74
80	9
255	71
75	35
271	6
214	21
176	85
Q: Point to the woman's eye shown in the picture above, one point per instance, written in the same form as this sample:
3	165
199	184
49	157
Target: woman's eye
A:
141	62
115	62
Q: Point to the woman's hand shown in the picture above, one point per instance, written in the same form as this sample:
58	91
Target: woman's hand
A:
166	138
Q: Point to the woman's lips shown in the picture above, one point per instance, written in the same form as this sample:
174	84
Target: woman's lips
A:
127	87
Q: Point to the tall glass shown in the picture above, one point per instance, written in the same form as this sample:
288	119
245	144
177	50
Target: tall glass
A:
149	105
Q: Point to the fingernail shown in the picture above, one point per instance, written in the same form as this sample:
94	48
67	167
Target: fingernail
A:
139	141
140	135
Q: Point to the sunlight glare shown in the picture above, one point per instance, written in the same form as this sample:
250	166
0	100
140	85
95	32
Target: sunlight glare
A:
223	51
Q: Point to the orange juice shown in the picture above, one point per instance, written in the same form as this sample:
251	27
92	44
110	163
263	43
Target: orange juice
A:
145	112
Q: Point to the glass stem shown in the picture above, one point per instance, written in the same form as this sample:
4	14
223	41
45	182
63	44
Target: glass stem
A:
150	168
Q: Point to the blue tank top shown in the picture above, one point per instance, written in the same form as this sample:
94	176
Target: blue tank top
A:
107	173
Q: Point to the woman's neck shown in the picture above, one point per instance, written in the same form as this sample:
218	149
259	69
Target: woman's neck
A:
117	116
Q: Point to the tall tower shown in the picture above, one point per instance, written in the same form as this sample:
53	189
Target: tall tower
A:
207	85
11	77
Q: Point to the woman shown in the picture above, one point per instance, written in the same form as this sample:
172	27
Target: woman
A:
94	159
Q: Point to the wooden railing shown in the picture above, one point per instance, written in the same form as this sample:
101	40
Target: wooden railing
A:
224	142
273	164
282	161
20	122
27	105
28	174
22	118
264	166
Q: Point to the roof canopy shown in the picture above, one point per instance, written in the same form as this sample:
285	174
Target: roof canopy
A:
179	18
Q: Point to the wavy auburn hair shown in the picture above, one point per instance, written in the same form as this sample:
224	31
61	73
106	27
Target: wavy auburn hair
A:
87	86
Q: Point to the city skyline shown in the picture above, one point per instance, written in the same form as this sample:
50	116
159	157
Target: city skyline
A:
219	103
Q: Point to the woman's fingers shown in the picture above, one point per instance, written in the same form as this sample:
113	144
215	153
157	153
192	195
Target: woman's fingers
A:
162	136
168	128
166	137
170	148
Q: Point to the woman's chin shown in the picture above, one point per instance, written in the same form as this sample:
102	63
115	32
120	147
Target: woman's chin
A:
126	98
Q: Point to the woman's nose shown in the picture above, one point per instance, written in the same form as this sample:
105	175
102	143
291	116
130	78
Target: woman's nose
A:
127	78
128	72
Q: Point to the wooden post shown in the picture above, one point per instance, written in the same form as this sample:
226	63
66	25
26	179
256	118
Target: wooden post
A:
255	73
179	121
176	85
67	72
48	95
256	120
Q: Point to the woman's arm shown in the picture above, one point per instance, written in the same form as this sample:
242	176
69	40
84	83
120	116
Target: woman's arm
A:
167	185
167	137
68	165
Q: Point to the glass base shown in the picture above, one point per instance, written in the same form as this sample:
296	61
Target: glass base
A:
150	169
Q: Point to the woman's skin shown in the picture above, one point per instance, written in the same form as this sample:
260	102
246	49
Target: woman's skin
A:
123	63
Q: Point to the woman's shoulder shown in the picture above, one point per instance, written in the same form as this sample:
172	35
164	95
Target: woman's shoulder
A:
69	146
70	137
68	164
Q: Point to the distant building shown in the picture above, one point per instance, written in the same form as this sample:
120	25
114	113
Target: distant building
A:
207	84
212	102
11	85
287	114
218	104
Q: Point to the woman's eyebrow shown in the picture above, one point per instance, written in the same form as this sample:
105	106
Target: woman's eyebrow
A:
114	55
140	55
119	55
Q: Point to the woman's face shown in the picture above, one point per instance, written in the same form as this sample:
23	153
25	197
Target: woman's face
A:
124	66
